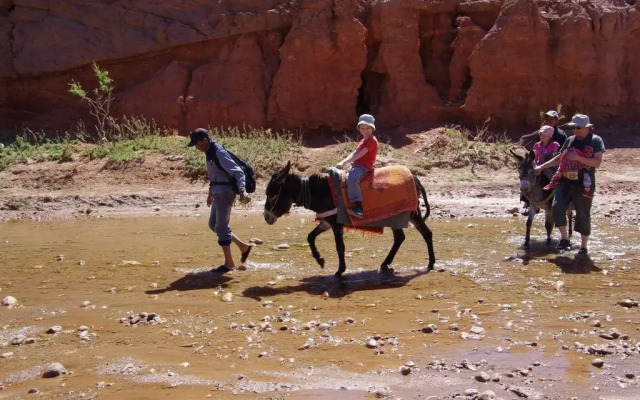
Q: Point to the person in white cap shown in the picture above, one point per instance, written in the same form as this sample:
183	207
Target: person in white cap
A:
362	160
552	118
580	156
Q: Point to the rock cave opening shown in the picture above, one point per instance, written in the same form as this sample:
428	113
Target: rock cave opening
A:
369	92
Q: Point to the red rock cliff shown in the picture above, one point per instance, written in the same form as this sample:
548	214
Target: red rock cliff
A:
316	64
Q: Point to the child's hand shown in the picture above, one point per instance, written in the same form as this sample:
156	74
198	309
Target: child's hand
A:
340	165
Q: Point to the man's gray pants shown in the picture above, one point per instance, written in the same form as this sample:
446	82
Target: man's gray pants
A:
221	215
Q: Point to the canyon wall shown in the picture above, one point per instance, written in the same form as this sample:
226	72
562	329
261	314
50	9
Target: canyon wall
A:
317	64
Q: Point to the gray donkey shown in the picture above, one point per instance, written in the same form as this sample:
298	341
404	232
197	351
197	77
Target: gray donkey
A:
531	188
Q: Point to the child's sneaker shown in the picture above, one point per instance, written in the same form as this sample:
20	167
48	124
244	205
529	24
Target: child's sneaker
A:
356	211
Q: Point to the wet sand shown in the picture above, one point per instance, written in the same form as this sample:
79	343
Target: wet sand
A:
532	322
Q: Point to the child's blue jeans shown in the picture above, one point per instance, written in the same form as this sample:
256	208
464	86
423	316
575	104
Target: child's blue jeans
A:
353	182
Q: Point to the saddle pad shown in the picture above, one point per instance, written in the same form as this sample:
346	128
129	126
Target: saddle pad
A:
386	192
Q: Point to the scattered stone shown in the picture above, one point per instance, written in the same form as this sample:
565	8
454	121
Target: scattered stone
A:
487	395
307	345
324	327
8	354
18	340
404	370
281	246
227	297
85	304
137	319
53	370
431	328
598	363
81	263
526	392
372	343
9	301
470	392
33	391
256	241
483	377
478	330
628	303
54	329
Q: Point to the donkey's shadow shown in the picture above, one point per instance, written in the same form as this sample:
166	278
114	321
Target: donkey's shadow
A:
538	248
195	281
350	283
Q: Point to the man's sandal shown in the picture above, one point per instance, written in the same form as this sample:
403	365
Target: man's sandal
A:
245	254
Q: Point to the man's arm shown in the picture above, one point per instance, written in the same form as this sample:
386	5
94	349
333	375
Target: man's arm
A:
551	163
233	169
594	161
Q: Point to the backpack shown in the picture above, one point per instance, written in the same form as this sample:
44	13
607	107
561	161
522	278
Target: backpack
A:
249	178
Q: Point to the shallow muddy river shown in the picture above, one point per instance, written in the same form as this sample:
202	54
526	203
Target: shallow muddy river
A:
491	317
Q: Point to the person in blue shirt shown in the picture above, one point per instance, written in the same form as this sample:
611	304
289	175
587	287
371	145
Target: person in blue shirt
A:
222	194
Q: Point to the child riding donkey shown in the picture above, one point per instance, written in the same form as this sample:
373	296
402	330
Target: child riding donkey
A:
363	158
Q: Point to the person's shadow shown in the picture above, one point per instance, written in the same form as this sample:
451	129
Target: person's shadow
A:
579	264
195	281
321	284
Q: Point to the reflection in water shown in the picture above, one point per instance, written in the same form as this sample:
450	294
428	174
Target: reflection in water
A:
285	325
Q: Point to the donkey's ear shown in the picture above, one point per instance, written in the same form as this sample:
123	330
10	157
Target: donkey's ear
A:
516	155
531	155
282	175
287	168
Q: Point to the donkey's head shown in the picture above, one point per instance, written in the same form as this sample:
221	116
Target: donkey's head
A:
526	173
279	196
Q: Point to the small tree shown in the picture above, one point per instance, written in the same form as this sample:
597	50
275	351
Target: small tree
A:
99	100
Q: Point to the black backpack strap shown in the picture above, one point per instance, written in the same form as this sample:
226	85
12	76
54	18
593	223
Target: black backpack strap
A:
217	161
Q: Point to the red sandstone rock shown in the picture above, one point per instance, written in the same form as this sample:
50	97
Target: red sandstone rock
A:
318	63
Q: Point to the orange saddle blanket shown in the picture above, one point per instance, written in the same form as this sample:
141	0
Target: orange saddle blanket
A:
386	192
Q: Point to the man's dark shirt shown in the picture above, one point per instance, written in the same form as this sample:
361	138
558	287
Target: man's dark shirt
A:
559	136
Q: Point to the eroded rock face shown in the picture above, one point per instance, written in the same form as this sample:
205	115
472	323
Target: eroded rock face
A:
317	64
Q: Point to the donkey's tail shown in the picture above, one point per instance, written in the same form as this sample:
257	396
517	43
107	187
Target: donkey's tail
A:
424	197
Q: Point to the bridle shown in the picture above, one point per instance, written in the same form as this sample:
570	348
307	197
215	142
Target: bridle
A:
276	200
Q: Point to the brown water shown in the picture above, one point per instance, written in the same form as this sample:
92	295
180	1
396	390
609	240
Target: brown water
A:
533	308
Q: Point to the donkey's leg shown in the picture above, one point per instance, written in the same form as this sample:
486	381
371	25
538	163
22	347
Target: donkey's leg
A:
338	233
548	223
527	235
398	238
323	226
427	235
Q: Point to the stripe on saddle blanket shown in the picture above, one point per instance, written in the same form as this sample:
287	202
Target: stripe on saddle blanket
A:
386	192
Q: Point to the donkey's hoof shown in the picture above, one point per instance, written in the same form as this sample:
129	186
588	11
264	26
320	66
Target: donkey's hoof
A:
385	270
320	262
339	275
